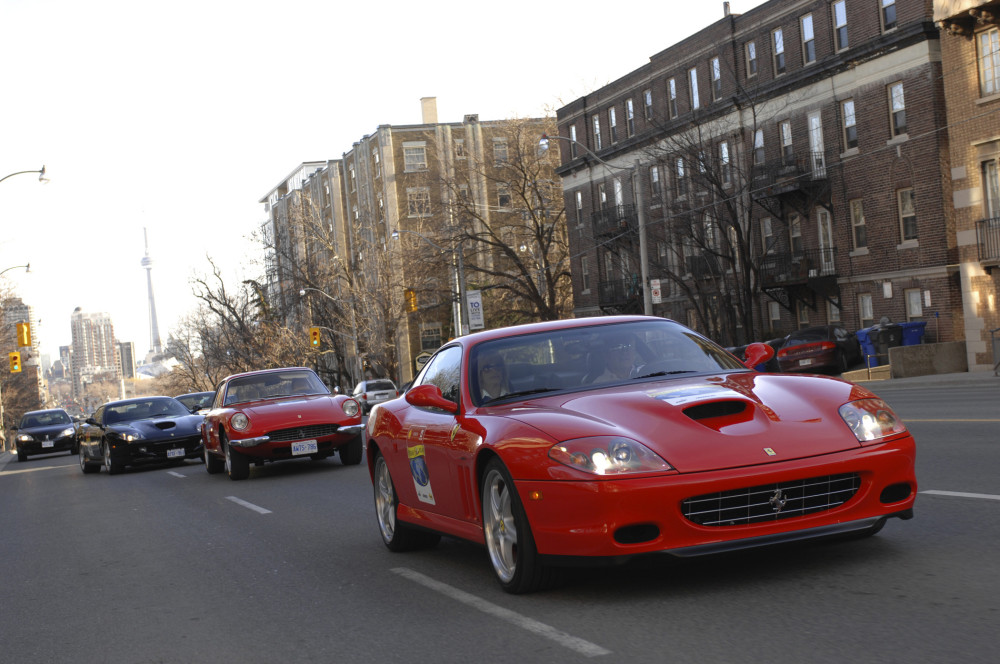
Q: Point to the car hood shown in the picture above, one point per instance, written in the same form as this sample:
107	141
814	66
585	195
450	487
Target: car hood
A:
296	410
50	430
182	425
707	423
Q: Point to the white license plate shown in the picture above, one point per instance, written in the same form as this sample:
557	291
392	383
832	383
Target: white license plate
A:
304	447
805	363
48	443
175	453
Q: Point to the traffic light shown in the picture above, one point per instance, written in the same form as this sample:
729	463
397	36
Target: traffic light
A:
15	362
314	337
411	299
24	335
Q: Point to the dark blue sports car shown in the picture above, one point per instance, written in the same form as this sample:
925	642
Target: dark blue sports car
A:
138	431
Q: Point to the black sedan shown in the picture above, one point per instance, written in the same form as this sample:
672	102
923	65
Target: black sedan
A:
45	432
821	349
138	431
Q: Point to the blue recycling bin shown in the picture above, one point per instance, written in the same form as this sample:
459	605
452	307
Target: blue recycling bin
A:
913	332
868	345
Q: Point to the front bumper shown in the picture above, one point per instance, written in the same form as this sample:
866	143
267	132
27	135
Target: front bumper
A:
626	517
157	451
62	444
263	447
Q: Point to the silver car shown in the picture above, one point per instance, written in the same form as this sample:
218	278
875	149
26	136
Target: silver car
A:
374	391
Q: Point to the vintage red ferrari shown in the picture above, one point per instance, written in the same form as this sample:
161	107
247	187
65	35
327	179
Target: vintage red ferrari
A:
594	439
278	414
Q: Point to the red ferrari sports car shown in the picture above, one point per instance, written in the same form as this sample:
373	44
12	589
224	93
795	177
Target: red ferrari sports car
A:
278	414
604	438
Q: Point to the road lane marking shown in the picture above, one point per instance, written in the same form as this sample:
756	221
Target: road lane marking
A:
32	470
585	648
249	506
962	494
175	474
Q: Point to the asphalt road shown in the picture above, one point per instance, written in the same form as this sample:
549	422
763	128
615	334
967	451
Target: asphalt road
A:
175	565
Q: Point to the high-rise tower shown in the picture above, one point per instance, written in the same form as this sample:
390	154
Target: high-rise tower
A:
154	329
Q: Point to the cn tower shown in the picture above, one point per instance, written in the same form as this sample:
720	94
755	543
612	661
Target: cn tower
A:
154	328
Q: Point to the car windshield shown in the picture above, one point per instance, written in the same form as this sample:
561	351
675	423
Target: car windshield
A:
585	357
45	419
273	384
807	336
143	409
378	385
201	400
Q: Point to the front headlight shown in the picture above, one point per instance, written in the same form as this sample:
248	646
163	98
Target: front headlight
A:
25	438
129	436
608	455
871	419
351	408
240	421
66	432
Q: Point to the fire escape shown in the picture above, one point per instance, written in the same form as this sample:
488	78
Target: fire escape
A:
796	185
616	229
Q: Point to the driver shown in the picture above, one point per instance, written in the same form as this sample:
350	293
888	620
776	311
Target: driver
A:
492	376
619	360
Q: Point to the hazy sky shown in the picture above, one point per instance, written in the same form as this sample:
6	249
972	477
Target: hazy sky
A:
179	117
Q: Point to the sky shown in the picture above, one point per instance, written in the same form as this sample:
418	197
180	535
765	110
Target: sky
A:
179	117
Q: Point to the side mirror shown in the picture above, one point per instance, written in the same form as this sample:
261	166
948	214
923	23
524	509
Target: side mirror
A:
429	396
91	421
758	353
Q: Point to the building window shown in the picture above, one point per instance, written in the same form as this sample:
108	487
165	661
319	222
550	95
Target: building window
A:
897	108
888	14
680	182
778	48
991	187
500	151
602	195
672	97
647	102
629	118
655	189
585	274
832	312
758	147
597	132
459	148
503	196
774	315
418	201
907	213
787	151
859	229
579	208
716	79
613	124
353	178
693	87
724	165
808	39
989	62
767	235
795	236
750	50
914	304
802	315
840	24
572	141
850	125
414	157
865	309
377	162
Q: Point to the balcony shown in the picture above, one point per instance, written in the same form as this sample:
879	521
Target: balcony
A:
620	296
988	238
615	220
788	268
795	173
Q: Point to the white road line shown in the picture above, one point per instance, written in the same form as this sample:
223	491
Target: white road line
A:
32	470
585	648
249	506
961	494
175	474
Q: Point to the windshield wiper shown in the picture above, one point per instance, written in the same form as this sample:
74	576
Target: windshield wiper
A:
523	393
665	373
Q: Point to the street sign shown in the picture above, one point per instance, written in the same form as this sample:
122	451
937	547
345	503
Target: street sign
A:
655	292
421	359
474	302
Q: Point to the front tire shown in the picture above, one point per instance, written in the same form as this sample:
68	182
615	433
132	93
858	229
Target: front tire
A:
237	464
87	466
509	541
213	464
114	466
352	453
21	456
395	535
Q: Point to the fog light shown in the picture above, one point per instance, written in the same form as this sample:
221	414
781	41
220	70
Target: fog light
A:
895	493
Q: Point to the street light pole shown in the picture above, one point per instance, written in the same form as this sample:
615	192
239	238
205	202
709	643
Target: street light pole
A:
41	175
641	213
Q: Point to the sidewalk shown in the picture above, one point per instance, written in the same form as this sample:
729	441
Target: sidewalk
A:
984	379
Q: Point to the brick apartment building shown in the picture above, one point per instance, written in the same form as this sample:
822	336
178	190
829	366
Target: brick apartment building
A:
970	56
788	167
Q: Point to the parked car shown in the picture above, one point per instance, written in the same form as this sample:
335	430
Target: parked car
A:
821	349
44	432
374	391
277	414
536	442
771	365
197	402
139	431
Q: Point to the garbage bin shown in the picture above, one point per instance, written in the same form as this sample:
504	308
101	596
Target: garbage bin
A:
886	337
867	346
913	332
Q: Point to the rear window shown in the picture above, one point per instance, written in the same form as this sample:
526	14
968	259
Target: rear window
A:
380	385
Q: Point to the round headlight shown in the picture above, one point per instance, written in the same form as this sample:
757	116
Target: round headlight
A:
240	421
350	407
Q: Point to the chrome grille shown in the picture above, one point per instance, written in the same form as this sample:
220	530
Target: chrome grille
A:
771	502
302	433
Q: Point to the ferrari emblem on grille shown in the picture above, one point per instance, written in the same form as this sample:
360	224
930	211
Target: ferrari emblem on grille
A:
769	451
778	501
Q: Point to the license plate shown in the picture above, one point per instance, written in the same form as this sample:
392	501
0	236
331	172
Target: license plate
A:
48	443
804	363
175	453
304	447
